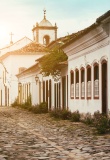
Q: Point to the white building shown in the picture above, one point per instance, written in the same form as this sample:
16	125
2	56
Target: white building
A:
43	89
31	82
13	63
44	32
15	46
88	68
84	83
18	56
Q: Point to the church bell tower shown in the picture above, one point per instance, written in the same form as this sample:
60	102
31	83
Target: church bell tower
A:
44	32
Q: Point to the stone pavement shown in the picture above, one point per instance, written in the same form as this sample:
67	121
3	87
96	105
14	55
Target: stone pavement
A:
28	136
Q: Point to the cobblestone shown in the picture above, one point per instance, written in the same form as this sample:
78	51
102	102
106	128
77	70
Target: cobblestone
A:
28	136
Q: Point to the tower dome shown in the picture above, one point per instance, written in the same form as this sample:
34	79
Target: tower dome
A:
45	23
44	32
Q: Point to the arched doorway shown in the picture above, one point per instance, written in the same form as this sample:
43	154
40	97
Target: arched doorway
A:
46	40
104	87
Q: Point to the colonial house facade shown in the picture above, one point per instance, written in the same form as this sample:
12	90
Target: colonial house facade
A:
21	55
6	69
84	83
13	63
43	89
32	83
88	68
28	86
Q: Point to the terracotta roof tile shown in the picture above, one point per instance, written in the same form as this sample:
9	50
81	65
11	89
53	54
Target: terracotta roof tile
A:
77	35
30	49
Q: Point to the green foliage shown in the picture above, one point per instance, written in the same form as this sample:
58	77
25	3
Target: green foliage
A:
88	119
75	116
97	115
27	104
29	101
61	114
101	122
43	108
50	63
56	113
38	109
65	115
15	103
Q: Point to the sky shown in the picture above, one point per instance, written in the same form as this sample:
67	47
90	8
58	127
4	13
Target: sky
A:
19	16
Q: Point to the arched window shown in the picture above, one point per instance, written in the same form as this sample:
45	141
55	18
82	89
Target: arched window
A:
72	84
46	40
82	83
96	80
77	83
88	81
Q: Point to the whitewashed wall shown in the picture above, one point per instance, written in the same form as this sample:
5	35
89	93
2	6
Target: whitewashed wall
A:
82	59
12	64
94	46
15	46
64	73
50	33
30	78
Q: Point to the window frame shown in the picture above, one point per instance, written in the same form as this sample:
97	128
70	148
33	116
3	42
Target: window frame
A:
76	81
89	78
71	83
95	78
82	80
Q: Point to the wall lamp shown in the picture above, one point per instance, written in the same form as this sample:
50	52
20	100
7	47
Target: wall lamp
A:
36	79
20	84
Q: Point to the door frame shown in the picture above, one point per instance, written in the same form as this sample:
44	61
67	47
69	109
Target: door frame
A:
104	92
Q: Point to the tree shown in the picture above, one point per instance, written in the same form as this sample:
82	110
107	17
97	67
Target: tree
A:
50	63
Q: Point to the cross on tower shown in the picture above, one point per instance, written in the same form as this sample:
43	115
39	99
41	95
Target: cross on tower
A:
11	34
44	13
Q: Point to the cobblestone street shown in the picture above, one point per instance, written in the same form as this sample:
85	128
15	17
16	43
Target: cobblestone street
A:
27	136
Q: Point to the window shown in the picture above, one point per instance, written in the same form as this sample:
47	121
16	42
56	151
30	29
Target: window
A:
88	82
82	83
43	91
57	95
72	84
46	40
77	83
96	80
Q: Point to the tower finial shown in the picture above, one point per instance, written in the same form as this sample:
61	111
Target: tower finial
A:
11	34
44	13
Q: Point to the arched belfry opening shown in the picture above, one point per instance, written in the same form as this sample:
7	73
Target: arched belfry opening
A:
44	32
46	40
